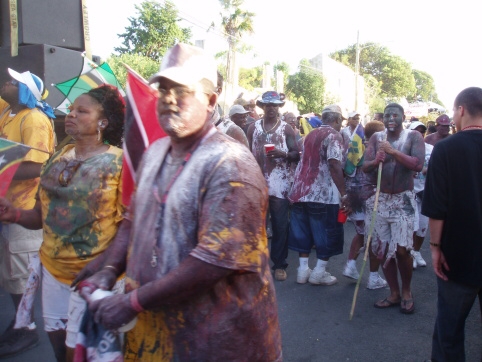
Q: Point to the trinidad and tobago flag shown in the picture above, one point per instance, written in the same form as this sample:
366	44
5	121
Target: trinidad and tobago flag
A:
141	128
11	155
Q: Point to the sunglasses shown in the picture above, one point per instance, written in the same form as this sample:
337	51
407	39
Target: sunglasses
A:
68	172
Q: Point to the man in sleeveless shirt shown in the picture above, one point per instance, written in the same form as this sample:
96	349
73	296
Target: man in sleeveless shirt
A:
276	167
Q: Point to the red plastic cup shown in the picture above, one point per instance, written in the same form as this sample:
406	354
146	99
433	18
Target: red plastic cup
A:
268	147
342	216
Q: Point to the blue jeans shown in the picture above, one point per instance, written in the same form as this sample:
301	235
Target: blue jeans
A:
454	303
313	223
279	212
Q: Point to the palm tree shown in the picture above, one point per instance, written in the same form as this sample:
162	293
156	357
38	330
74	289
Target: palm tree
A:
236	23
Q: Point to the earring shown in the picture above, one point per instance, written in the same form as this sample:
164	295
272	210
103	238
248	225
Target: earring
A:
98	133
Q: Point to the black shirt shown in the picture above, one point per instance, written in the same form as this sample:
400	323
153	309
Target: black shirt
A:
453	193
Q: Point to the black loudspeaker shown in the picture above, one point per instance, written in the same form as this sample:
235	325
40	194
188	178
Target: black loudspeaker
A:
55	22
52	64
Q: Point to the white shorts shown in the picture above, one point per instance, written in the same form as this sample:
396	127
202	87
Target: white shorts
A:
63	308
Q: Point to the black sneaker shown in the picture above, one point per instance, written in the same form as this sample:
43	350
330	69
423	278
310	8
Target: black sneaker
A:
18	341
7	332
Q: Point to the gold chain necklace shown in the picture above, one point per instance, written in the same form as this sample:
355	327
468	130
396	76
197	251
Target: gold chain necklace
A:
264	129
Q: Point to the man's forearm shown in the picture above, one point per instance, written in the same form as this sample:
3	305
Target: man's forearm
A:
436	227
369	166
336	173
189	278
410	162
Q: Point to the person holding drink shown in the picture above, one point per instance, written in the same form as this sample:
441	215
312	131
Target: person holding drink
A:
273	144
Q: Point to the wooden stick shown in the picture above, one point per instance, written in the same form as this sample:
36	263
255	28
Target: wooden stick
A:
369	238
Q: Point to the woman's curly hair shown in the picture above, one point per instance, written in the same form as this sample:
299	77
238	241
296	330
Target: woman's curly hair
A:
113	108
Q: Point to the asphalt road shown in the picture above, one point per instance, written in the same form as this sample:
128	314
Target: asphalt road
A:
315	321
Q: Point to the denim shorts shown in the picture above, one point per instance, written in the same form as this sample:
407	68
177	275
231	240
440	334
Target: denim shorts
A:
313	223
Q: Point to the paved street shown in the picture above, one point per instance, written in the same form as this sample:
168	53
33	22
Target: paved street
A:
315	319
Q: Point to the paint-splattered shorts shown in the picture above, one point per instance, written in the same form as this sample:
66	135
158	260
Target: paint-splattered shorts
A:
357	196
394	224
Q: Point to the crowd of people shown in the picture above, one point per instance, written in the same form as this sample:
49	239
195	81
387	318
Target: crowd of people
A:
189	258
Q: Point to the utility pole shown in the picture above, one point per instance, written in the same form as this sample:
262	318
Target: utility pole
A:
357	67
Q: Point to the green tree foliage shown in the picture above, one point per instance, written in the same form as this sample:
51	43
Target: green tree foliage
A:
141	64
425	87
250	78
236	23
153	31
283	67
392	72
306	88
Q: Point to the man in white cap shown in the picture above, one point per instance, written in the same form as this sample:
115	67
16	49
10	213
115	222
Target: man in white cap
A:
318	191
23	119
233	126
197	267
351	125
418	187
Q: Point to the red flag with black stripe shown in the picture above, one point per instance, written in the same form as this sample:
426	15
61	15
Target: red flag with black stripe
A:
141	128
11	155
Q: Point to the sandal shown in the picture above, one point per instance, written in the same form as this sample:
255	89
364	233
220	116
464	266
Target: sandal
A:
385	303
403	306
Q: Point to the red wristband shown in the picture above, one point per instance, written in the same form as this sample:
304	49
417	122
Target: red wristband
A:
17	216
135	302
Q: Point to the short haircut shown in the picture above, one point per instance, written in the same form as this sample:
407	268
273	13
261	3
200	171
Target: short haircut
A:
378	115
394	105
471	99
330	117
372	127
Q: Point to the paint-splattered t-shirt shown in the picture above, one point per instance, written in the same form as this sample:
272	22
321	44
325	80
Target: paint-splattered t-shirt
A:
32	128
277	171
215	211
313	182
80	219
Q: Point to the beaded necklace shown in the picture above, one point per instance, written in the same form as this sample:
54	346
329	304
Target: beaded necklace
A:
471	127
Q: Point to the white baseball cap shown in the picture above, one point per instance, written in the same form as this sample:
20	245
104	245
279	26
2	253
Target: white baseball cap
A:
187	65
416	124
237	109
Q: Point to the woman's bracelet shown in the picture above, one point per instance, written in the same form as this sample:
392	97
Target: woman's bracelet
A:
435	244
113	268
18	213
286	154
134	300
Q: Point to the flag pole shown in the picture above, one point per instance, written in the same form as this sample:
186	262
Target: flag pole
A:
370	232
32	148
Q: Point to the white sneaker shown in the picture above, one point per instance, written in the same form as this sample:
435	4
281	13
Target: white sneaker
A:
417	259
351	272
318	277
303	275
376	283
